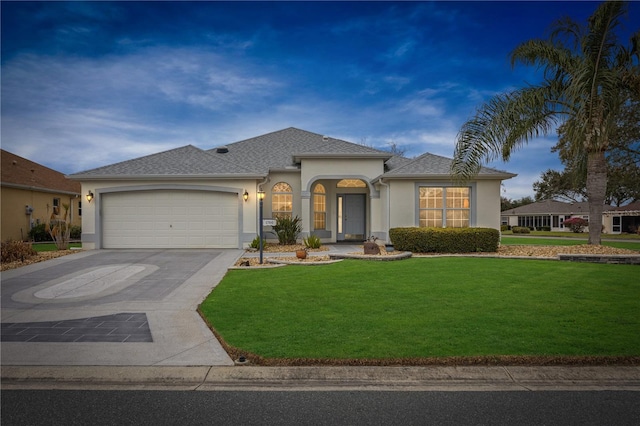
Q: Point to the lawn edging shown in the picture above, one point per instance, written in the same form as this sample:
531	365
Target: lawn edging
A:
400	256
624	259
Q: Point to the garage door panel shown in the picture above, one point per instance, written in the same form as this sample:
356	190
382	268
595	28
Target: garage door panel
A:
170	219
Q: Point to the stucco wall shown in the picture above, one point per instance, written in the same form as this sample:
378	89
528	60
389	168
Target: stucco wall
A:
485	202
15	222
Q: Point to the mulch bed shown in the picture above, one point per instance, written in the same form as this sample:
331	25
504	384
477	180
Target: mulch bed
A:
40	257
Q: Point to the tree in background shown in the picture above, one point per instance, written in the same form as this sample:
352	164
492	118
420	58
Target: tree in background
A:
508	204
623	164
587	81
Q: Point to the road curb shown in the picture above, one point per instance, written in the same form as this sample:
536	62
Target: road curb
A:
436	378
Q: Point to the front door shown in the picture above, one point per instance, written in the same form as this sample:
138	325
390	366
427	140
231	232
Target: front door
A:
351	217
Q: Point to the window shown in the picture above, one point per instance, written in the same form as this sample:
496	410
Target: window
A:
56	206
534	221
351	183
444	207
282	200
79	208
319	207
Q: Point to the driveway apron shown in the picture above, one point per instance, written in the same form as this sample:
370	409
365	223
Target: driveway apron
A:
113	307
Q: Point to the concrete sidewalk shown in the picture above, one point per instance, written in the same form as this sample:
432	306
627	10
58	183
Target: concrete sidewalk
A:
252	378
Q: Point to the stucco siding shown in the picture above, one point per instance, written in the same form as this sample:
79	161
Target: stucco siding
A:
487	204
15	221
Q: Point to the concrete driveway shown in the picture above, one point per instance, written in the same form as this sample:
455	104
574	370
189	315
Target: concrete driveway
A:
113	307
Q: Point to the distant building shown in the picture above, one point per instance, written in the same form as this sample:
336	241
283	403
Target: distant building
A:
29	194
551	214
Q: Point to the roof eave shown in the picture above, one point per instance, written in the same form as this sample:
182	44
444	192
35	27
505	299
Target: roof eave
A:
39	188
167	177
494	176
363	155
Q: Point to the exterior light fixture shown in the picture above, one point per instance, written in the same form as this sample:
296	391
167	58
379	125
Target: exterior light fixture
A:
89	196
261	198
245	196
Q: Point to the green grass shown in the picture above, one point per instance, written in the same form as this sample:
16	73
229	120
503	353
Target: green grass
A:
51	246
565	242
439	307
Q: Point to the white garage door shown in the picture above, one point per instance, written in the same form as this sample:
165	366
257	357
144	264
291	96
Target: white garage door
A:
169	219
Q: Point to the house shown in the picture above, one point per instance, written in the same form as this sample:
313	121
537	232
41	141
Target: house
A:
622	219
30	192
342	191
551	214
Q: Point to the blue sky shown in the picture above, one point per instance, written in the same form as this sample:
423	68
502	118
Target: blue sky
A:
85	84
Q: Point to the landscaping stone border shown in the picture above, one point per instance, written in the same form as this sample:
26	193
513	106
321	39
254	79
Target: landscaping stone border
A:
294	262
399	256
624	259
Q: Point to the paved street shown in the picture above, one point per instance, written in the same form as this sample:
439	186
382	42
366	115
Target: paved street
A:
319	408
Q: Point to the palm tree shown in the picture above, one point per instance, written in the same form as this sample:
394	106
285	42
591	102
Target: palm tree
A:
587	80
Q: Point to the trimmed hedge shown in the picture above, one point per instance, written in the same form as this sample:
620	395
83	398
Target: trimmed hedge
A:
520	230
445	240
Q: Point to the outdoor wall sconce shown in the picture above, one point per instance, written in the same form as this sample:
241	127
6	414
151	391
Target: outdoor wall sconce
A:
245	196
89	196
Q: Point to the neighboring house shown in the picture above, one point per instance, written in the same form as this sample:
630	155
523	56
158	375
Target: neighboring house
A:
622	219
342	191
551	214
30	193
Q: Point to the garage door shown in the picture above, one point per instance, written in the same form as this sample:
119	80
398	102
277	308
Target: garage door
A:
169	219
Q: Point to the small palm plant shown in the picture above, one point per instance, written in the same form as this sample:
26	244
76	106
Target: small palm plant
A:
312	242
59	228
287	229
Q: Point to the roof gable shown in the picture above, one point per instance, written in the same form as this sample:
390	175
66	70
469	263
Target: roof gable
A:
185	161
431	165
276	150
21	172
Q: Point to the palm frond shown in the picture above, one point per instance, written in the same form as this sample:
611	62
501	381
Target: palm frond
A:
503	124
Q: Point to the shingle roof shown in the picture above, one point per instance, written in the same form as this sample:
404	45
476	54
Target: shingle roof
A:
629	207
280	150
185	161
20	172
549	207
435	165
275	151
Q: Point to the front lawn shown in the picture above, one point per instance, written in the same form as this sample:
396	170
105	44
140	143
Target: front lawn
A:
429	307
506	240
40	247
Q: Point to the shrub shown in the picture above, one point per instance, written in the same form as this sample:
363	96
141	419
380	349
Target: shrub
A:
38	233
576	224
255	244
76	232
312	242
520	230
445	240
504	228
16	250
287	229
544	228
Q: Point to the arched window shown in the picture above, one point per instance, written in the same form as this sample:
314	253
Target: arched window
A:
319	207
351	183
282	200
